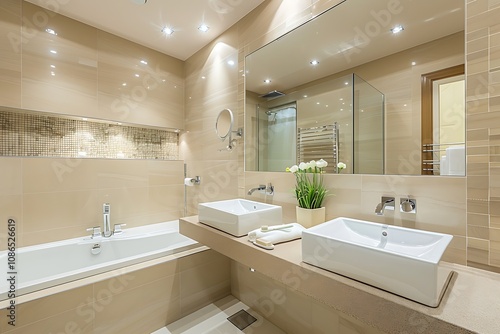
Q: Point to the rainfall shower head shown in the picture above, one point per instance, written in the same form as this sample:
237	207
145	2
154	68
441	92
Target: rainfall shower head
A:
273	94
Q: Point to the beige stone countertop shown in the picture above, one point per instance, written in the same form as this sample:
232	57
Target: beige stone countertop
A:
471	303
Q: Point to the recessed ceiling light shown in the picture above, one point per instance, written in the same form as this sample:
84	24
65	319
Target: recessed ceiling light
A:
52	73
167	31
314	62
203	28
137	75
124	84
413	63
397	29
53	51
52	66
144	62
51	31
346	83
203	77
267	81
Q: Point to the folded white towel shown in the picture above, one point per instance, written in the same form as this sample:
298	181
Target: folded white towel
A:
277	236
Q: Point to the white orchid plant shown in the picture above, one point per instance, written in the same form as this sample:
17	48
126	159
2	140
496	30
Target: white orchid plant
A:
309	189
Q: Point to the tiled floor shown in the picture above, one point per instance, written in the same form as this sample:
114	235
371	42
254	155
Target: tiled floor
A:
212	319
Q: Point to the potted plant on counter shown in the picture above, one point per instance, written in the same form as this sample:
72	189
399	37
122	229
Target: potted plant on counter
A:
310	191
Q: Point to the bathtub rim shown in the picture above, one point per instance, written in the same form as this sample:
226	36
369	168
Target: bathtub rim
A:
102	276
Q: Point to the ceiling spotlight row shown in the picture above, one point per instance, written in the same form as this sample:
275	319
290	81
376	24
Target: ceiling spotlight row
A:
169	31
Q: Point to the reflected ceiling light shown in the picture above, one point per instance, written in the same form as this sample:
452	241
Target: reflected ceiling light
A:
51	31
230	62
53	51
305	95
136	75
203	28
143	62
124	84
52	73
52	66
267	81
413	63
167	31
203	77
397	29
314	62
346	83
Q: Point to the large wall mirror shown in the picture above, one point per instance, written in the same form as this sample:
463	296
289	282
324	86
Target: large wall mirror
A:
348	86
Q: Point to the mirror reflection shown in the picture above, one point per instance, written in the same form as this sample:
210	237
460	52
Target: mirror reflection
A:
385	119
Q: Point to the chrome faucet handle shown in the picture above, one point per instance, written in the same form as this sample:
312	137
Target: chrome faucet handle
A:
96	231
117	229
408	205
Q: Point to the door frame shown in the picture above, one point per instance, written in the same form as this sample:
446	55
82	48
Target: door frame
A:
427	132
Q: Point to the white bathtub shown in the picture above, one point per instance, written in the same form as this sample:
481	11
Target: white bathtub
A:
46	265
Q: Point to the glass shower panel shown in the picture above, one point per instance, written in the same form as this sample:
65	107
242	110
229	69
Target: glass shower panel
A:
277	138
368	116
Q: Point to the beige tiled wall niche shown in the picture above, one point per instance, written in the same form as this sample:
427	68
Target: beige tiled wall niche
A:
36	134
80	70
138	302
56	199
483	130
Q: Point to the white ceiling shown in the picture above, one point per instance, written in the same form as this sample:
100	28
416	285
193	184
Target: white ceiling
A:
143	23
347	36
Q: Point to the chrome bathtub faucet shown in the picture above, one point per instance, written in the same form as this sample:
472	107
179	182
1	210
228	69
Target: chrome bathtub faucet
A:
106	232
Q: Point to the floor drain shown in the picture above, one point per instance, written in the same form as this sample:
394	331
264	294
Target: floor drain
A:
242	319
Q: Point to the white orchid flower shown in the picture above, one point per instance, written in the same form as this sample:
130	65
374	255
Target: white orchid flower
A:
303	166
293	169
341	166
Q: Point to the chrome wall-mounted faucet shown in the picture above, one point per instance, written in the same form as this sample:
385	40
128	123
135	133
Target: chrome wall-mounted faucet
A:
106	232
260	188
386	202
267	190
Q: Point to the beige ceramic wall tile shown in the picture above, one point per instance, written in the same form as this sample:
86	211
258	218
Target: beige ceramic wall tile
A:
77	300
10	59
204	283
11	176
72	81
262	294
219	181
140	310
69	321
134	92
168	272
298	308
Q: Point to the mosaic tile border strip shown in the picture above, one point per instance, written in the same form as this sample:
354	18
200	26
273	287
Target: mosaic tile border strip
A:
25	134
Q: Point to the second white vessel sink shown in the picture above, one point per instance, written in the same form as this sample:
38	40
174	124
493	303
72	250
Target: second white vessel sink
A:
399	260
239	216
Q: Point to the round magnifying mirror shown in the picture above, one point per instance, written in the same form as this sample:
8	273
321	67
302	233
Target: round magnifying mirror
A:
224	124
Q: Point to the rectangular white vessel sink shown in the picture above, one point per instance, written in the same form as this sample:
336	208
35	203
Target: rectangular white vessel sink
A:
239	216
399	260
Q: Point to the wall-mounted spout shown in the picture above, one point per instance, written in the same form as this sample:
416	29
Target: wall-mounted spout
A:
385	202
